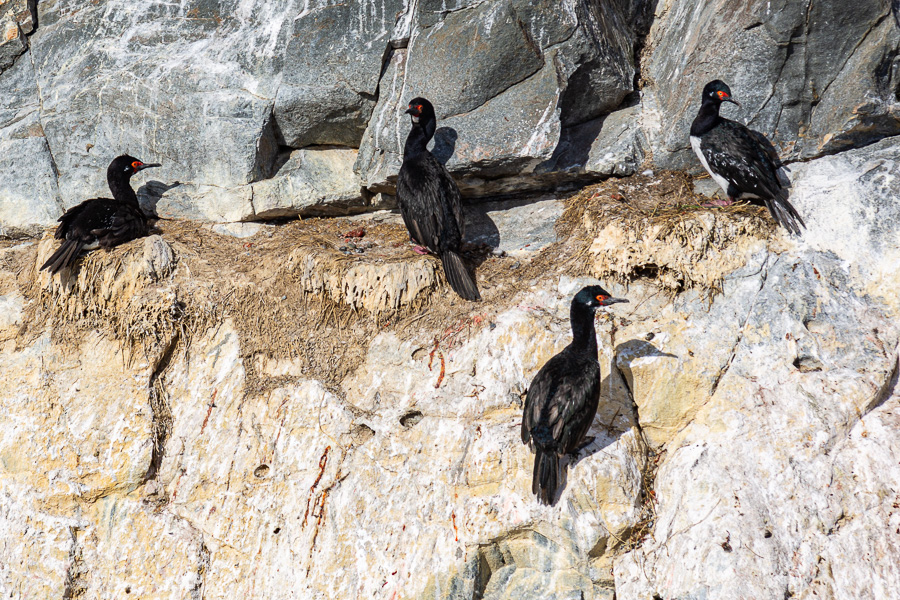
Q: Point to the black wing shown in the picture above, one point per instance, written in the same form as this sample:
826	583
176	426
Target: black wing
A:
125	224
430	204
561	403
736	153
97	221
103	220
733	152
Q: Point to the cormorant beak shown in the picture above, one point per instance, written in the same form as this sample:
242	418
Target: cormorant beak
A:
732	100
609	301
143	166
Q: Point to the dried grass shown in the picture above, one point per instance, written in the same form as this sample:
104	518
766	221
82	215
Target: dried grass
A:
292	293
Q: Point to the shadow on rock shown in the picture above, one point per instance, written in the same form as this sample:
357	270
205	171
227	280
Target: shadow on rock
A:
150	194
444	144
616	401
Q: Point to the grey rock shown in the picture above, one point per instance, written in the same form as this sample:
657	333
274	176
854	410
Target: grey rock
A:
501	109
332	65
612	145
189	86
513	226
814	78
159	260
239	230
313	182
29	198
15	23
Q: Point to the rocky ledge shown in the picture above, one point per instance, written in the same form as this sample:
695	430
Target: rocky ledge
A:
305	413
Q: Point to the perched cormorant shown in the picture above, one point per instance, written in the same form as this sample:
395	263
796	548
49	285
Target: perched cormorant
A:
429	200
563	397
102	222
744	165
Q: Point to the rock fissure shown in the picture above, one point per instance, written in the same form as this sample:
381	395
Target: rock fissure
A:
849	56
76	578
740	335
160	408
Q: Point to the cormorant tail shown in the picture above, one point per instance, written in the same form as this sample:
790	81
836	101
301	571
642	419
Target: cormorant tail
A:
64	256
784	213
458	276
546	476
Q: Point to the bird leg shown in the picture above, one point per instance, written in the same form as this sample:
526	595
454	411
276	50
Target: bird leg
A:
718	202
420	250
587	441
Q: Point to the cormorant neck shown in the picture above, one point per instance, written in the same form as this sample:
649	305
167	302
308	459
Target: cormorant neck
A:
584	336
121	190
418	138
707	118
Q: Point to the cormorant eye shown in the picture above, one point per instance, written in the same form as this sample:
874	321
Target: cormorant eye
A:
601	297
136	164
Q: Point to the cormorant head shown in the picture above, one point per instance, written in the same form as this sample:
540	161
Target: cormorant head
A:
126	166
716	91
594	296
420	109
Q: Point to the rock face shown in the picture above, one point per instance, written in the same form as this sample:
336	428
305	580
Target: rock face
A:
551	65
745	440
529	94
222	93
815	78
304	412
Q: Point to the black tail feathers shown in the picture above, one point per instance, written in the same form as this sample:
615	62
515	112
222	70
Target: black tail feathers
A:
459	277
784	213
64	256
546	476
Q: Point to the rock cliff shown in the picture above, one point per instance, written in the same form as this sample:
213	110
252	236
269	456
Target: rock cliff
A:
233	407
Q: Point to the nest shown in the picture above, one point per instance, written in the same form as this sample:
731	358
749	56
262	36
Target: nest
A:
658	229
317	291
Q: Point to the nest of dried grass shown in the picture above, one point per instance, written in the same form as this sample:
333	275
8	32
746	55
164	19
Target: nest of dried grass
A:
291	292
657	228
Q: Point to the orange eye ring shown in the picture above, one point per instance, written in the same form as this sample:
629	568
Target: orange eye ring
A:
136	164
601	297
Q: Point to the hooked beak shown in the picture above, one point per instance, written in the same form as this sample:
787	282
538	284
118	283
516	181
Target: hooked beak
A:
732	100
412	111
609	301
146	166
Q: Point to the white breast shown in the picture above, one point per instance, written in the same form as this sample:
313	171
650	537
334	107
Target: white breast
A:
723	183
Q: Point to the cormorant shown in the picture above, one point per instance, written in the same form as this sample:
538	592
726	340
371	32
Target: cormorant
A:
102	222
429	200
563	397
738	160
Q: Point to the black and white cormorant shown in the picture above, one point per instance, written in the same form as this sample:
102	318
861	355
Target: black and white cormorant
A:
430	202
563	397
102	222
745	166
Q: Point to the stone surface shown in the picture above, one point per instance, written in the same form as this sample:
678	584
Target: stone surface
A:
548	67
312	182
814	78
747	438
15	23
29	196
